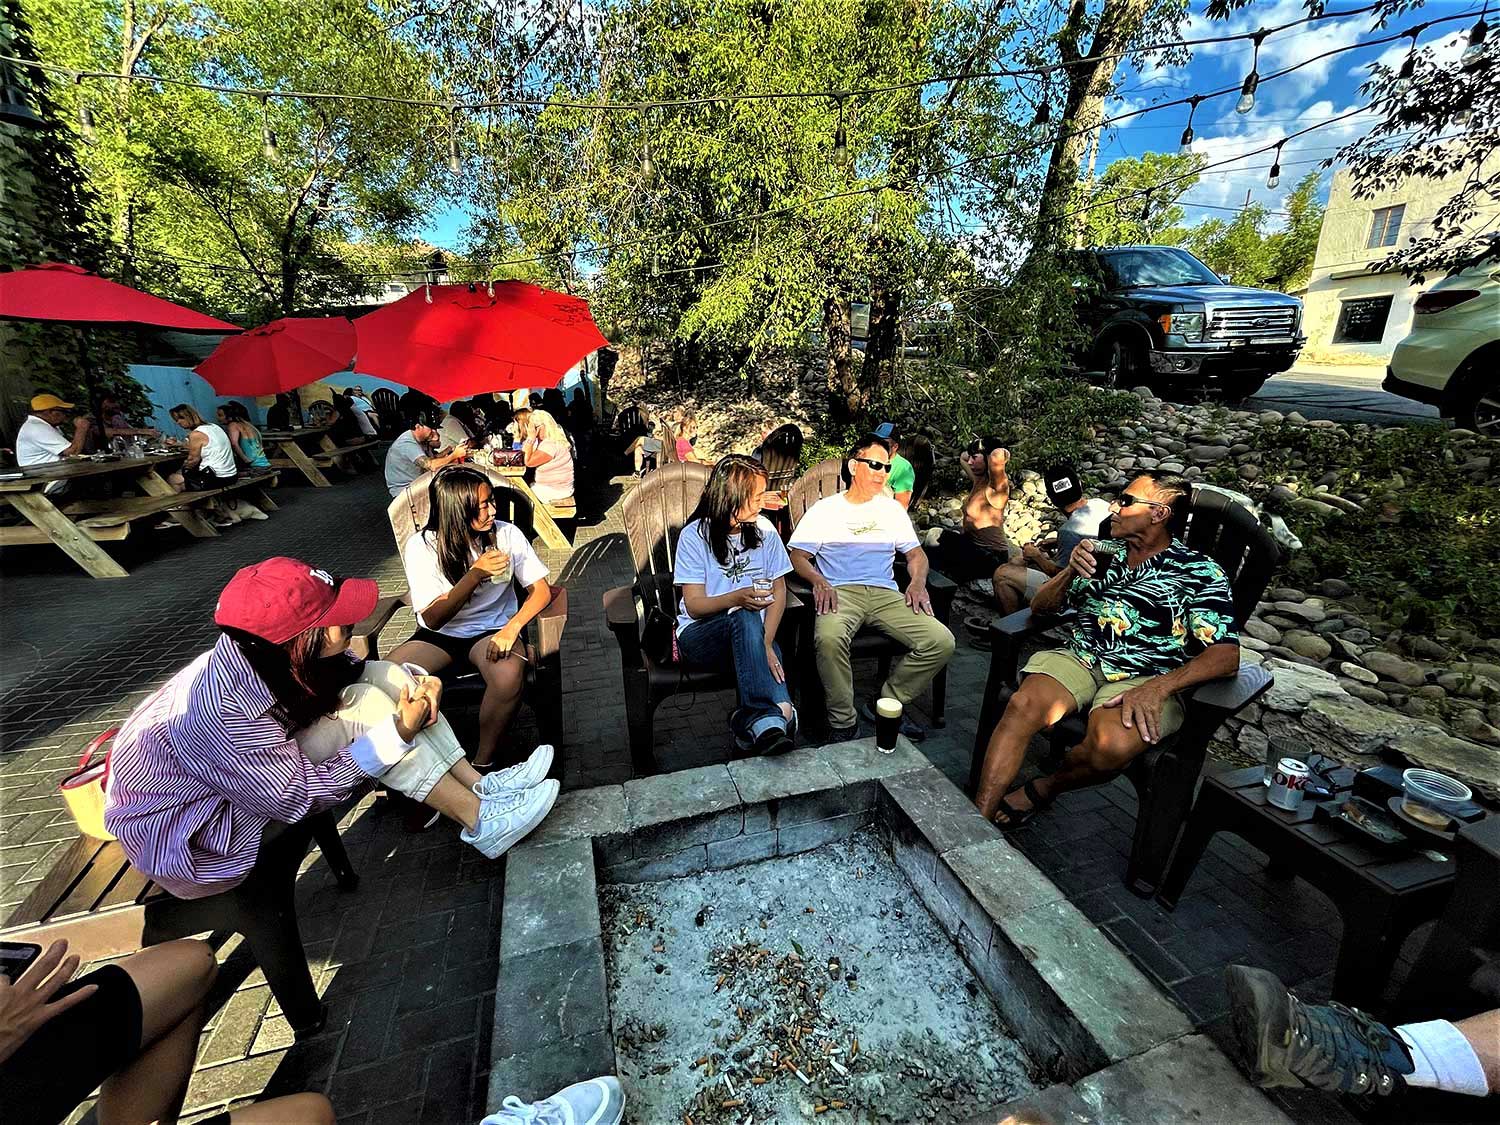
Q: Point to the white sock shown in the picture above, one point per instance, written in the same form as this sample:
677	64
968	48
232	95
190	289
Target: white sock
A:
1444	1059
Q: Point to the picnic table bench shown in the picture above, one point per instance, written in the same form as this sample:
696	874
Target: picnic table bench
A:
104	907
77	526
289	454
544	515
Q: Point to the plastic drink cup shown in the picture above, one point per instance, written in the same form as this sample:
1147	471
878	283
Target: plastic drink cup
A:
887	723
415	671
504	575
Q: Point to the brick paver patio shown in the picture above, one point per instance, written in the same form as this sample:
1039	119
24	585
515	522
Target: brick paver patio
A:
407	962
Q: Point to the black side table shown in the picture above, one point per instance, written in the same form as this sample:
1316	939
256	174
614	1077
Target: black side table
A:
1381	896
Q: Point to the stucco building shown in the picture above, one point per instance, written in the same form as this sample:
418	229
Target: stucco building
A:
1352	312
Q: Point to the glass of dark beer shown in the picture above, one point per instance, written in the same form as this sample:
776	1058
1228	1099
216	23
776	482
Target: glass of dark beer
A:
887	723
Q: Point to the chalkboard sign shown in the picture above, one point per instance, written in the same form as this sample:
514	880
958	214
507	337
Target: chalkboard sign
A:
1362	321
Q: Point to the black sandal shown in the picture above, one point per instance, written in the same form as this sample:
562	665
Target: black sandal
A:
1018	818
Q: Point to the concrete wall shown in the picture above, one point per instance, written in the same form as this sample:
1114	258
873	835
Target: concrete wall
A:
1341	268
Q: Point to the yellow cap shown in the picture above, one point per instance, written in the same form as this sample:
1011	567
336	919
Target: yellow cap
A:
50	402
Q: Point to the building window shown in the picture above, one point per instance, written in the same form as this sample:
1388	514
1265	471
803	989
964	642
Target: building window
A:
1362	321
1385	226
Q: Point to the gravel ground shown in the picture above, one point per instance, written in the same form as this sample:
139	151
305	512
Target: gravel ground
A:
821	974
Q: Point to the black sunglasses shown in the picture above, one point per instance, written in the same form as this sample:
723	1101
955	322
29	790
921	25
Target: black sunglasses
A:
878	466
1126	500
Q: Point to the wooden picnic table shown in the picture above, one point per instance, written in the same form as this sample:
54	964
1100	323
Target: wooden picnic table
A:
542	512
291	455
27	494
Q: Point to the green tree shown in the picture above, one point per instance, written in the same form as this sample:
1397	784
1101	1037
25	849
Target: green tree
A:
1138	200
1294	247
202	205
1244	249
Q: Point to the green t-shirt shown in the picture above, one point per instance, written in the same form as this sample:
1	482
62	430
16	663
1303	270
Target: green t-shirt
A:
903	476
1150	619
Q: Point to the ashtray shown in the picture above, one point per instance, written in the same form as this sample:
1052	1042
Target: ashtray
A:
1366	819
1445	833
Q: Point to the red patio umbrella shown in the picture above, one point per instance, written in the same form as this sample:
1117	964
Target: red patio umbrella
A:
68	294
280	356
452	341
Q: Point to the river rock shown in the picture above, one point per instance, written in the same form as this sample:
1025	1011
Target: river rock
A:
1366	692
1357	636
1258	629
1270	417
1253	644
1355	672
1314	507
1309	645
1286	594
1296	685
1307	611
1208	454
1389	666
1426	647
1335	588
1248	472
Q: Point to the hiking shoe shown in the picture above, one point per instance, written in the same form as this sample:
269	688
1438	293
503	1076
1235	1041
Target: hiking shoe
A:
1284	1042
599	1101
913	730
513	779
505	820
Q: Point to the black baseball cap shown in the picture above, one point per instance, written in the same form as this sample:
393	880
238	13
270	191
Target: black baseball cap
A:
1062	484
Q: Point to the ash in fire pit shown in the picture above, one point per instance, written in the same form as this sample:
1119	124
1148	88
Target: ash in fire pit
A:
809	986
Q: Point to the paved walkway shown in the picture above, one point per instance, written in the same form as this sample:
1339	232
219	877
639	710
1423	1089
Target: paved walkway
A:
407	962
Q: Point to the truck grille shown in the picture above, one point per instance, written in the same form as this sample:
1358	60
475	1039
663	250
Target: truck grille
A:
1277	321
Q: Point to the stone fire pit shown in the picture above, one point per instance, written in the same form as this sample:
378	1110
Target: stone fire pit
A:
834	935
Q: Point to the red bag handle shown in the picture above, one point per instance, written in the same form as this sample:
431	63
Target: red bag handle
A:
88	753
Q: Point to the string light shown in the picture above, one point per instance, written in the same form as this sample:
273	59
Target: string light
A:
840	137
455	160
268	144
1275	177
1409	64
1186	145
1474	53
1041	124
1252	80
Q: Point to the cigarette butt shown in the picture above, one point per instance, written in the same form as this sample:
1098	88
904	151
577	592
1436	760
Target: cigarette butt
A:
833	1062
854	1050
701	1061
687	1119
809	910
806	1081
837	1104
757	1081
820	1109
720	982
731	1103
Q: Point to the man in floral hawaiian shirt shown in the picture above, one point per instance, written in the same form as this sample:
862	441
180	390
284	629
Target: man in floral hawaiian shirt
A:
1151	622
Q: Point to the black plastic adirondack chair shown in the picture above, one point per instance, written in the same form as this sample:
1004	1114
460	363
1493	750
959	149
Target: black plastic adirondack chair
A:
1165	776
655	512
826	479
388	406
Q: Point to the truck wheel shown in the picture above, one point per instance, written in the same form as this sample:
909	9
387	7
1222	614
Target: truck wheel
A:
1239	387
1124	363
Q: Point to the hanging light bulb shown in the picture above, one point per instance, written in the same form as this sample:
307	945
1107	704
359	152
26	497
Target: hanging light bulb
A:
1275	177
648	168
1474	53
268	145
840	138
1465	112
1408	65
489	287
1041	124
1252	80
86	122
1186	145
455	160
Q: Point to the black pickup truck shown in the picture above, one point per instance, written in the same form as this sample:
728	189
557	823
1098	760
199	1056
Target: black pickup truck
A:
1157	315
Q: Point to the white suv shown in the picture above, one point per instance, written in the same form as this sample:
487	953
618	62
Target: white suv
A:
1451	356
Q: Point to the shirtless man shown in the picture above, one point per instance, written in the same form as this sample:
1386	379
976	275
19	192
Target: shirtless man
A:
982	550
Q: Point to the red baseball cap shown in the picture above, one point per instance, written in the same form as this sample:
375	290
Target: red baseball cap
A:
281	597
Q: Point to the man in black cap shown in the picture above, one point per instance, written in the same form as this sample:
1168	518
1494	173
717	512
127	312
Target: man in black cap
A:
1016	582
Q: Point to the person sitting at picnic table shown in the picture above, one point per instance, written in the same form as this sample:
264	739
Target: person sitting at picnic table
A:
415	452
278	721
40	442
116	424
244	438
845	547
521	409
209	464
462	569
128	1029
981	550
1153	620
548	451
1016	583
731	568
458	426
279	413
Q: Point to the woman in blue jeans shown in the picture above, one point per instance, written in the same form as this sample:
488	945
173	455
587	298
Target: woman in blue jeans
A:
730	567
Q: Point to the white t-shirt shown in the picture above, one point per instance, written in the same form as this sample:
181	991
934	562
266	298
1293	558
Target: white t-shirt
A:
492	604
696	563
362	420
855	544
38	442
218	455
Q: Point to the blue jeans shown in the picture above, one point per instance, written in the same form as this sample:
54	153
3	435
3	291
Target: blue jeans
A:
737	642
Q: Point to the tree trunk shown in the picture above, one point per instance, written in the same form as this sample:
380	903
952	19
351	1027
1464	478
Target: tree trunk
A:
884	336
845	398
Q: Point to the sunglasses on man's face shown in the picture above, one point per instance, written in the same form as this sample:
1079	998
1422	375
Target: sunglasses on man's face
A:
878	466
1126	500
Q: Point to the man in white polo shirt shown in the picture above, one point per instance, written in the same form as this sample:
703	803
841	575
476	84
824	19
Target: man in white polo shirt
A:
39	442
845	546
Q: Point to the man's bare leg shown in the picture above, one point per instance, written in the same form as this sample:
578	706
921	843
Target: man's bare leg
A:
1009	584
1107	748
1039	702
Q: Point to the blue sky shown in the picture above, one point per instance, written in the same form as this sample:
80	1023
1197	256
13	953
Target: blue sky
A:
1319	91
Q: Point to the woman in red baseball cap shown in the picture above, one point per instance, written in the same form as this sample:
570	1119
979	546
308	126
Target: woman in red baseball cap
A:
278	721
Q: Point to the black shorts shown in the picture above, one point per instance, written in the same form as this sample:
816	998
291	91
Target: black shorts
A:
199	479
65	1059
457	649
963	560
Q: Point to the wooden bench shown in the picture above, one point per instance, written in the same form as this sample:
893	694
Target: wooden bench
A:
338	454
106	908
111	518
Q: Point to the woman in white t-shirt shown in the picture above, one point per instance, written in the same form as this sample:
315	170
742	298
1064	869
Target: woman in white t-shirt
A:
546	449
730	567
462	570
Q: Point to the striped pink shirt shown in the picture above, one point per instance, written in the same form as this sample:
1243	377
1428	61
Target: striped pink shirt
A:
201	767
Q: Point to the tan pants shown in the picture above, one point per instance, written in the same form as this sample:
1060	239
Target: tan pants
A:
370	700
928	642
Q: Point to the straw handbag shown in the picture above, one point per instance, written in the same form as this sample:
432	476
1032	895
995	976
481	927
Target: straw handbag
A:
83	789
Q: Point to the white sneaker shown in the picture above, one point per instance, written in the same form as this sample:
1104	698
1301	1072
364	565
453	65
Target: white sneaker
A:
248	511
505	820
512	779
599	1101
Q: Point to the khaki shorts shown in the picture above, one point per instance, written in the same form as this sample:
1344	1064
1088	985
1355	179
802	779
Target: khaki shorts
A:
1090	689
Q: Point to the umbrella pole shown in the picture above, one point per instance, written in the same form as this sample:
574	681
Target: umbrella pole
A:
91	389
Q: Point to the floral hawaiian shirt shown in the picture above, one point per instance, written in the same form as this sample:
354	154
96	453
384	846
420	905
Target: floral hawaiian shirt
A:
1152	618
